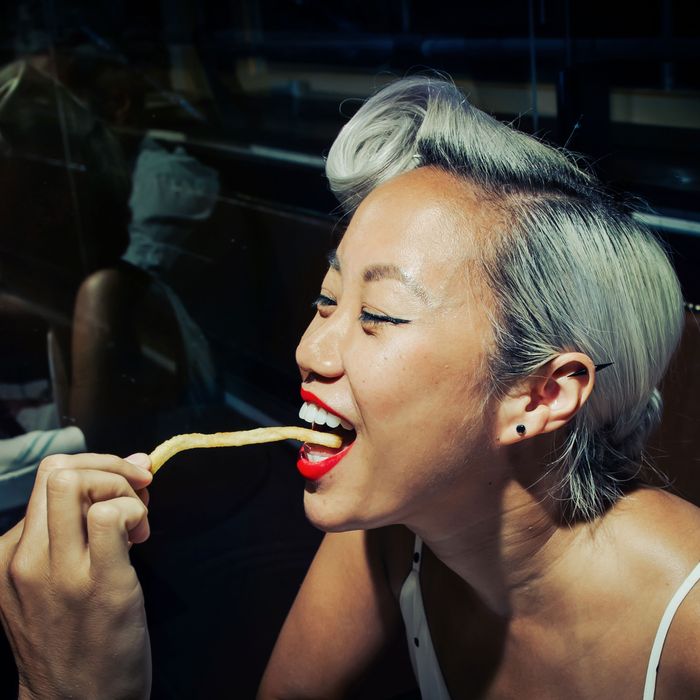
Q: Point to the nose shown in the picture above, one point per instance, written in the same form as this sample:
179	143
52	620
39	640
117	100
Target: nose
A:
319	350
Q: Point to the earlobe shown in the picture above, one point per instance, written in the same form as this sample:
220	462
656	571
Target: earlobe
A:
519	417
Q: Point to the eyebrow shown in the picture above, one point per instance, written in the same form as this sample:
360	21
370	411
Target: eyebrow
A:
382	271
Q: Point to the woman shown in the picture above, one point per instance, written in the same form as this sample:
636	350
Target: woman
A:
492	497
488	502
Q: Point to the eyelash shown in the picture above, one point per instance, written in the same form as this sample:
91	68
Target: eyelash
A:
322	300
376	319
365	316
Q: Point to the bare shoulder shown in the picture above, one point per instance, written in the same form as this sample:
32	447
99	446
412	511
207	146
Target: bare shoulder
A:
664	519
658	539
667	531
679	669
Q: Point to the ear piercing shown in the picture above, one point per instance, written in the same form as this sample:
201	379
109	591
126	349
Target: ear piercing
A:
520	429
583	370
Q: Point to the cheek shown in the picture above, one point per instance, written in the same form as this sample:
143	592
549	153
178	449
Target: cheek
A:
413	384
387	378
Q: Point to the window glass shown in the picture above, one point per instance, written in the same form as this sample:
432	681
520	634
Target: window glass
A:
164	224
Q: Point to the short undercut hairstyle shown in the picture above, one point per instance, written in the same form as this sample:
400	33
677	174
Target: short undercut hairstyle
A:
569	268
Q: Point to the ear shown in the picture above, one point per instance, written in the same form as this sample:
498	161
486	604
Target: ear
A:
547	399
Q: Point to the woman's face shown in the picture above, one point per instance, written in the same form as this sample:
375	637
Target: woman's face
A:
397	348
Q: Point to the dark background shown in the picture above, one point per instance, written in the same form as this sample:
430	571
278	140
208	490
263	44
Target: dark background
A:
257	90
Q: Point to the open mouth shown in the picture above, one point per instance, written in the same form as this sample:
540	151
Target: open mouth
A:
315	460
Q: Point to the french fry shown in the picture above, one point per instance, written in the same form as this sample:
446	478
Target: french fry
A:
189	441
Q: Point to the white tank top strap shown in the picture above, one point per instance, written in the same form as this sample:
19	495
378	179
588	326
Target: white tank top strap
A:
420	646
664	625
417	553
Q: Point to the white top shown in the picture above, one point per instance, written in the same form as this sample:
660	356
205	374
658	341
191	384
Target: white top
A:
420	646
666	619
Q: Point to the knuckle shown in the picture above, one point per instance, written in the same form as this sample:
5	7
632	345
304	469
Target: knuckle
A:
54	462
21	570
104	514
62	480
136	508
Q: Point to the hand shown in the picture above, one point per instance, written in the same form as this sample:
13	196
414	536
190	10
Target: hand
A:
70	601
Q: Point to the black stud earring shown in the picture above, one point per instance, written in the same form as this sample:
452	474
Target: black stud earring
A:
520	429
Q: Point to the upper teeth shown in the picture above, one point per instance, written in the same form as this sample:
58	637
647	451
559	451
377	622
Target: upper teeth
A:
314	414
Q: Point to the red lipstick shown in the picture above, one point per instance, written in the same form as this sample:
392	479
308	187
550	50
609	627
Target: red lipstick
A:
315	470
312	398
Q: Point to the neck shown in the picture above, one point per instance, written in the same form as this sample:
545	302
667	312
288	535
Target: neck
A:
510	545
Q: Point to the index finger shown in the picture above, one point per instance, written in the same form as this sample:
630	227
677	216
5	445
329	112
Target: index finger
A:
36	518
71	495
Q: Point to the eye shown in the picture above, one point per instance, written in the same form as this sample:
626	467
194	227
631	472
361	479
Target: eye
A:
373	320
322	302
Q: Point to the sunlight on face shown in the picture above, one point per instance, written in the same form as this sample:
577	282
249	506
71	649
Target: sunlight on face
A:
398	348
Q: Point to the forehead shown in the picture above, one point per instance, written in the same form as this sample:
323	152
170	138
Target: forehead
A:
427	222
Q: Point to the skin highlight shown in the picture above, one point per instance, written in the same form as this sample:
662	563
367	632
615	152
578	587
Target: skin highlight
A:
365	368
428	376
519	601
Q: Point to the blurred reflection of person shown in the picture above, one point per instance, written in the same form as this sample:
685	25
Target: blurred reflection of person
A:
123	350
65	185
493	327
172	193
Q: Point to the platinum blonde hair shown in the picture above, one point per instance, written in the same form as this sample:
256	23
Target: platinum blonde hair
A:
569	270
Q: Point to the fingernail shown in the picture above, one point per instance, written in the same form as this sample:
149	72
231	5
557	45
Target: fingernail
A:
140	459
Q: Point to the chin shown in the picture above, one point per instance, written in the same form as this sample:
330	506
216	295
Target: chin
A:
324	514
330	513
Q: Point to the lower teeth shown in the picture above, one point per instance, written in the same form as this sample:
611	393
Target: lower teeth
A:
311	457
